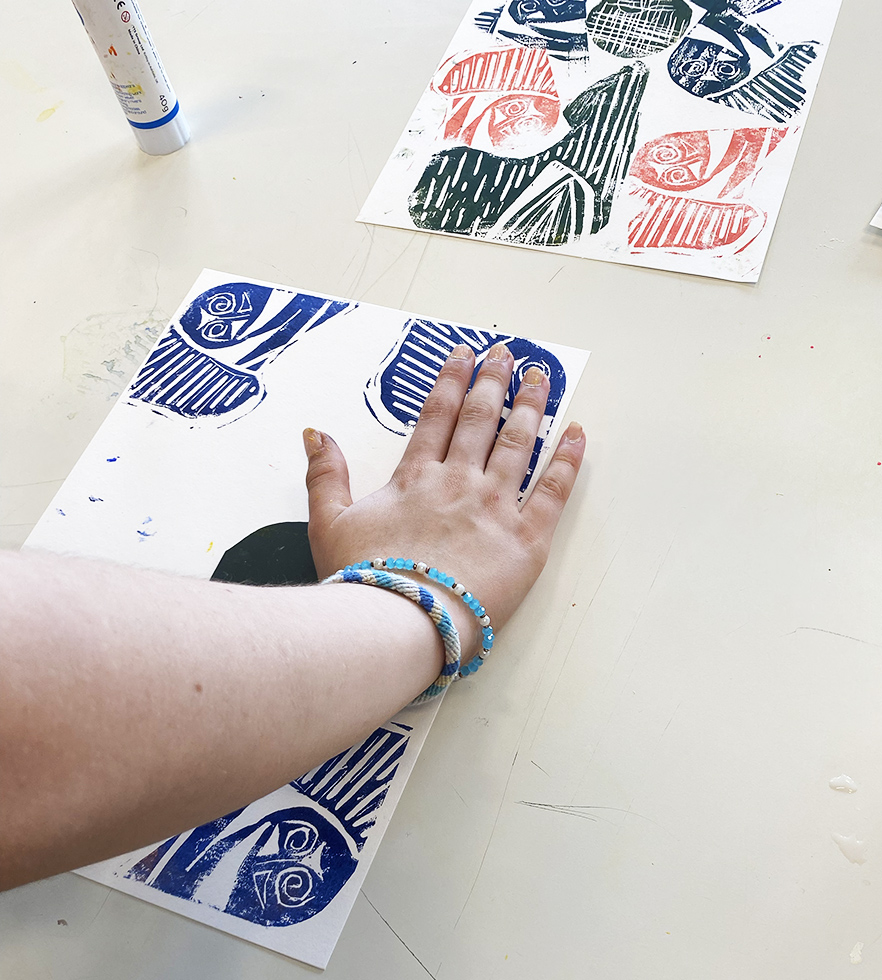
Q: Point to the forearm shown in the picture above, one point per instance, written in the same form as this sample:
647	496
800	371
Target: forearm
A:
136	705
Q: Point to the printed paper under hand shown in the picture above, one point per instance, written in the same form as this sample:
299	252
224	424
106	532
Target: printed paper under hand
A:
198	471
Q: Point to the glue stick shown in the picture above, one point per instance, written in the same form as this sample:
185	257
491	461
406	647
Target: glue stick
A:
122	42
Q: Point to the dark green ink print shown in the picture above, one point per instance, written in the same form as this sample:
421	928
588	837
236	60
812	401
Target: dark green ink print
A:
545	199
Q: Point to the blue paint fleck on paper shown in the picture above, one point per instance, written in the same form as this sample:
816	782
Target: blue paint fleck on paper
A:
145	534
280	867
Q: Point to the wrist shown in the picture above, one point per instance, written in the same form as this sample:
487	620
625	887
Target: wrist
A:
469	617
464	620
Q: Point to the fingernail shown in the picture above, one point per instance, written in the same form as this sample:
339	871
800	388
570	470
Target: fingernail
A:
533	377
312	441
573	433
498	352
461	352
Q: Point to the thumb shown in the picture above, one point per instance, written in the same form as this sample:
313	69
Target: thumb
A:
327	478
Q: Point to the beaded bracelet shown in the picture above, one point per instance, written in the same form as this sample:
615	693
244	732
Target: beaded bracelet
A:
365	574
449	582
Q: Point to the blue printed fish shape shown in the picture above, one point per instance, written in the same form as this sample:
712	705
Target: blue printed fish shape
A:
208	364
396	393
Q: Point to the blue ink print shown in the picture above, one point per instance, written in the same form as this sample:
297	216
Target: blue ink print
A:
705	68
776	92
395	395
279	870
112	459
207	366
97	500
282	867
727	58
58	510
558	26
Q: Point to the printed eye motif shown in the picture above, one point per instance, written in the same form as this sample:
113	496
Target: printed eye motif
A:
513	108
283	887
294	886
727	70
665	153
299	837
705	69
543	11
695	69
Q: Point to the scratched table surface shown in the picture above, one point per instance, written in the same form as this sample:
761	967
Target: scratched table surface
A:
639	788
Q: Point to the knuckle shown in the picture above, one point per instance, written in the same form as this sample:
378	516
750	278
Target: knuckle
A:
318	471
437	407
475	411
555	487
407	474
514	438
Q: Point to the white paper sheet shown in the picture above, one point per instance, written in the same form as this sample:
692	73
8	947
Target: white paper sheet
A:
877	219
199	460
658	133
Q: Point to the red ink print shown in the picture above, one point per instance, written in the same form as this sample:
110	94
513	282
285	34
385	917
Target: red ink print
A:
724	163
501	96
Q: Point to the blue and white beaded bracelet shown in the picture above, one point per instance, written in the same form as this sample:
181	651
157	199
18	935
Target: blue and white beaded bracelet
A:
406	564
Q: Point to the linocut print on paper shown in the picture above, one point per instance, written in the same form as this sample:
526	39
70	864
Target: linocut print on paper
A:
196	471
658	133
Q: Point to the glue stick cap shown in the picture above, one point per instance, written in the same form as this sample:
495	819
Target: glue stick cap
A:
159	140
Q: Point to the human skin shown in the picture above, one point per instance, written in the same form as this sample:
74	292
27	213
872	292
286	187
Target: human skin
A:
136	704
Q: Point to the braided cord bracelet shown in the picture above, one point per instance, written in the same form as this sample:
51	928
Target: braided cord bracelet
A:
365	574
375	572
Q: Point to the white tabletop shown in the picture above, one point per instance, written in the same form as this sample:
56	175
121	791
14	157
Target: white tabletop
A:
640	786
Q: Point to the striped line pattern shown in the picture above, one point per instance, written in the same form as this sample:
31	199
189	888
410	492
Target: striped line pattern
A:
410	376
551	217
180	378
353	785
463	191
682	223
488	19
776	93
504	70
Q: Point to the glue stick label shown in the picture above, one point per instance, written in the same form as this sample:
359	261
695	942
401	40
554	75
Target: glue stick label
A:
123	43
